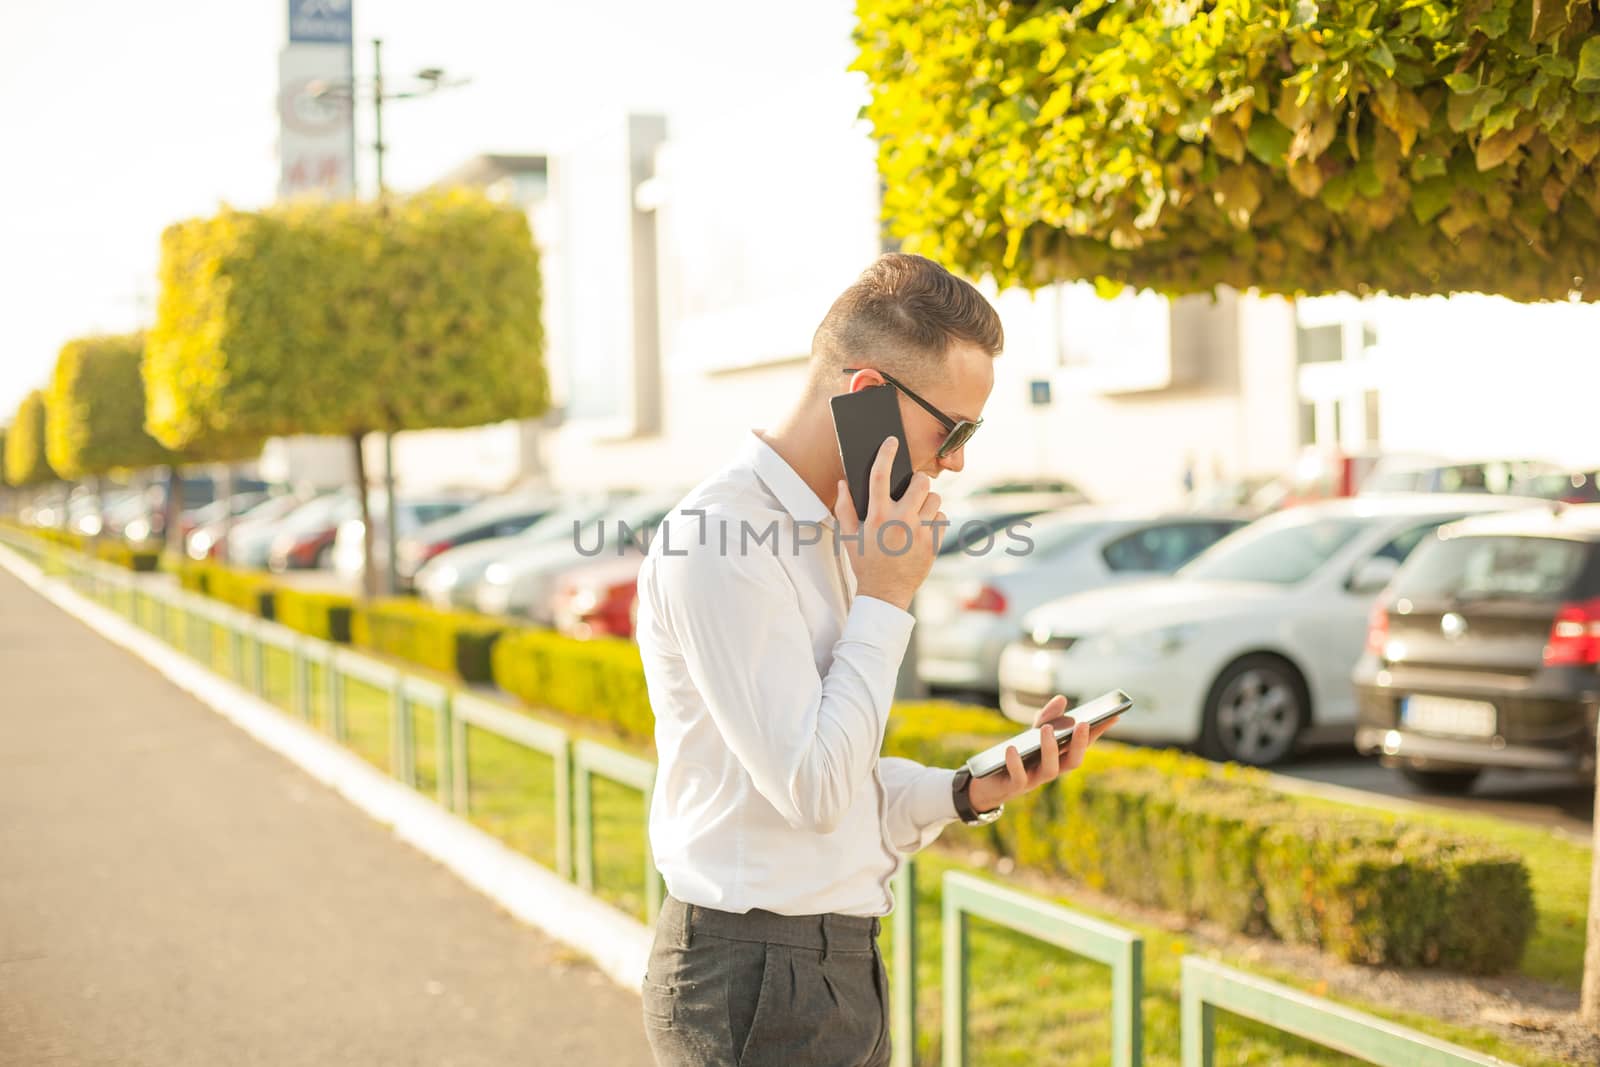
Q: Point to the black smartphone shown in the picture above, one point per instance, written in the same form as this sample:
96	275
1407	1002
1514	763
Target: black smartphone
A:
862	421
993	760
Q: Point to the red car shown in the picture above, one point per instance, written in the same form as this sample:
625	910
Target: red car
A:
597	598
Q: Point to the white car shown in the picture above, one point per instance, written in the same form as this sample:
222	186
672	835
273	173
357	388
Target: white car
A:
1249	649
971	605
450	580
525	584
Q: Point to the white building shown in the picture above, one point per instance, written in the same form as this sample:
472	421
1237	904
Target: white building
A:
689	258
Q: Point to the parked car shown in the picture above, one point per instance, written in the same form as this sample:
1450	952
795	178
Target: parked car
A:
451	579
600	598
1485	651
250	541
209	521
1057	487
206	540
978	524
86	513
1570	487
1246	651
415	511
303	539
1410	474
524	584
497	516
971	605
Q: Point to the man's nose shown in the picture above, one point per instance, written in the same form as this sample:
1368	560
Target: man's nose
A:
954	461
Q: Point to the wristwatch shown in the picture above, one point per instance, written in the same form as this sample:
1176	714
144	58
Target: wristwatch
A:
959	788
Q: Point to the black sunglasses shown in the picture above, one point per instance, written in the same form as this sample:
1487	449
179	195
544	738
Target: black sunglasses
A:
957	431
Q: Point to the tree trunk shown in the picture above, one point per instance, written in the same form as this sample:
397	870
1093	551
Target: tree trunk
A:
369	573
227	512
100	507
172	514
1589	1001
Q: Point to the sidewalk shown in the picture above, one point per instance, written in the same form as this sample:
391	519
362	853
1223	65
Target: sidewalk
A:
173	894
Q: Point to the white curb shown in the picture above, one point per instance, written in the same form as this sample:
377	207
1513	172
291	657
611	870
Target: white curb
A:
618	943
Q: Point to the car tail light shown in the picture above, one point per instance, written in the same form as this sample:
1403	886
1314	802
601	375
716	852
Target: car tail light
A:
429	551
1378	629
1575	636
987	598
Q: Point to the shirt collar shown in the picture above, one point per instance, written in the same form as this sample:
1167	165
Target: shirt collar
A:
792	492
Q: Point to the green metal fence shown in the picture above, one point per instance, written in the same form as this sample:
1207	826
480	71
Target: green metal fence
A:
589	761
966	896
190	622
1208	986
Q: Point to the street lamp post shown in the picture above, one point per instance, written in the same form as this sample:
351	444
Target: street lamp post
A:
430	80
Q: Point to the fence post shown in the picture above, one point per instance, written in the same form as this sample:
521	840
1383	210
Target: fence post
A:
460	786
565	815
443	761
954	923
903	986
583	818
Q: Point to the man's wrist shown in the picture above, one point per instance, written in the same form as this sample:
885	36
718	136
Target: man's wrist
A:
967	809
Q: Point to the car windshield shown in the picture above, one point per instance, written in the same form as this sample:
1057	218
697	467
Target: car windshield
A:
1029	540
1279	553
1479	568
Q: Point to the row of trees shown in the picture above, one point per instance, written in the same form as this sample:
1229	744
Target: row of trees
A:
342	318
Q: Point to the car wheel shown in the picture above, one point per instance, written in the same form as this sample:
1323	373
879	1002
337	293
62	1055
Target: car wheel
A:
1255	712
1441	783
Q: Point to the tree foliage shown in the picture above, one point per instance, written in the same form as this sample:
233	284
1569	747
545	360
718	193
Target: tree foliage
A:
26	463
96	408
1297	146
346	318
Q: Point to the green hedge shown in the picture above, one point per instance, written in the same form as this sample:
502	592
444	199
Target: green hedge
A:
454	642
248	591
324	615
143	558
1215	841
598	679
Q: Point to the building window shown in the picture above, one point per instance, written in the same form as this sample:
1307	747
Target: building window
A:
1320	344
1372	417
1308	423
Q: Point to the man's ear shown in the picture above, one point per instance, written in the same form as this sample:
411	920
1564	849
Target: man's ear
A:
866	378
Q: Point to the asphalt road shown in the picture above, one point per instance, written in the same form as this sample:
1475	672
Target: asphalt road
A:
173	894
1544	798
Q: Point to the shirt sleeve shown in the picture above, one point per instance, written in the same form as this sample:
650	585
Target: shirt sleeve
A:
808	742
921	802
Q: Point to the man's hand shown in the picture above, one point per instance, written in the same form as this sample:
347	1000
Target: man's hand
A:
892	551
993	790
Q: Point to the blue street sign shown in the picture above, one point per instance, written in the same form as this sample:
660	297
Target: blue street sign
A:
320	21
1039	392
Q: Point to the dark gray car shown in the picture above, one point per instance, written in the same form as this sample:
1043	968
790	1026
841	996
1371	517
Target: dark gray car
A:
1485	651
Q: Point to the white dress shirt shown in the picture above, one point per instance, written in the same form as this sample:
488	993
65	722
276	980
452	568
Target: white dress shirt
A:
771	683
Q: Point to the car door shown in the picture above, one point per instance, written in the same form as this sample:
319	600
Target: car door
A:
1340	629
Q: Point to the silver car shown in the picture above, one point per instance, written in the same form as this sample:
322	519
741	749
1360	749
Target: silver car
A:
450	580
524	584
973	600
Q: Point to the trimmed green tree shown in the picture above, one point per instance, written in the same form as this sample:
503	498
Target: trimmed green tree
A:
95	409
27	465
347	318
1292	146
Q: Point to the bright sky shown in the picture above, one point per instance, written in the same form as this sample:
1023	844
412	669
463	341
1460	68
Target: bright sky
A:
121	118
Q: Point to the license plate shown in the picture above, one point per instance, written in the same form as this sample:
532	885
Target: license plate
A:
1447	715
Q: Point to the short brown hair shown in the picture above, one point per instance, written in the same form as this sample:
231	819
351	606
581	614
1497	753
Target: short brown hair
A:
901	316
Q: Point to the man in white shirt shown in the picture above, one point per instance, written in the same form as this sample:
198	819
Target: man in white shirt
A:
772	626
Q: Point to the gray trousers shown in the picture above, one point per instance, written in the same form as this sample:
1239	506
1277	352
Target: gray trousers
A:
727	990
